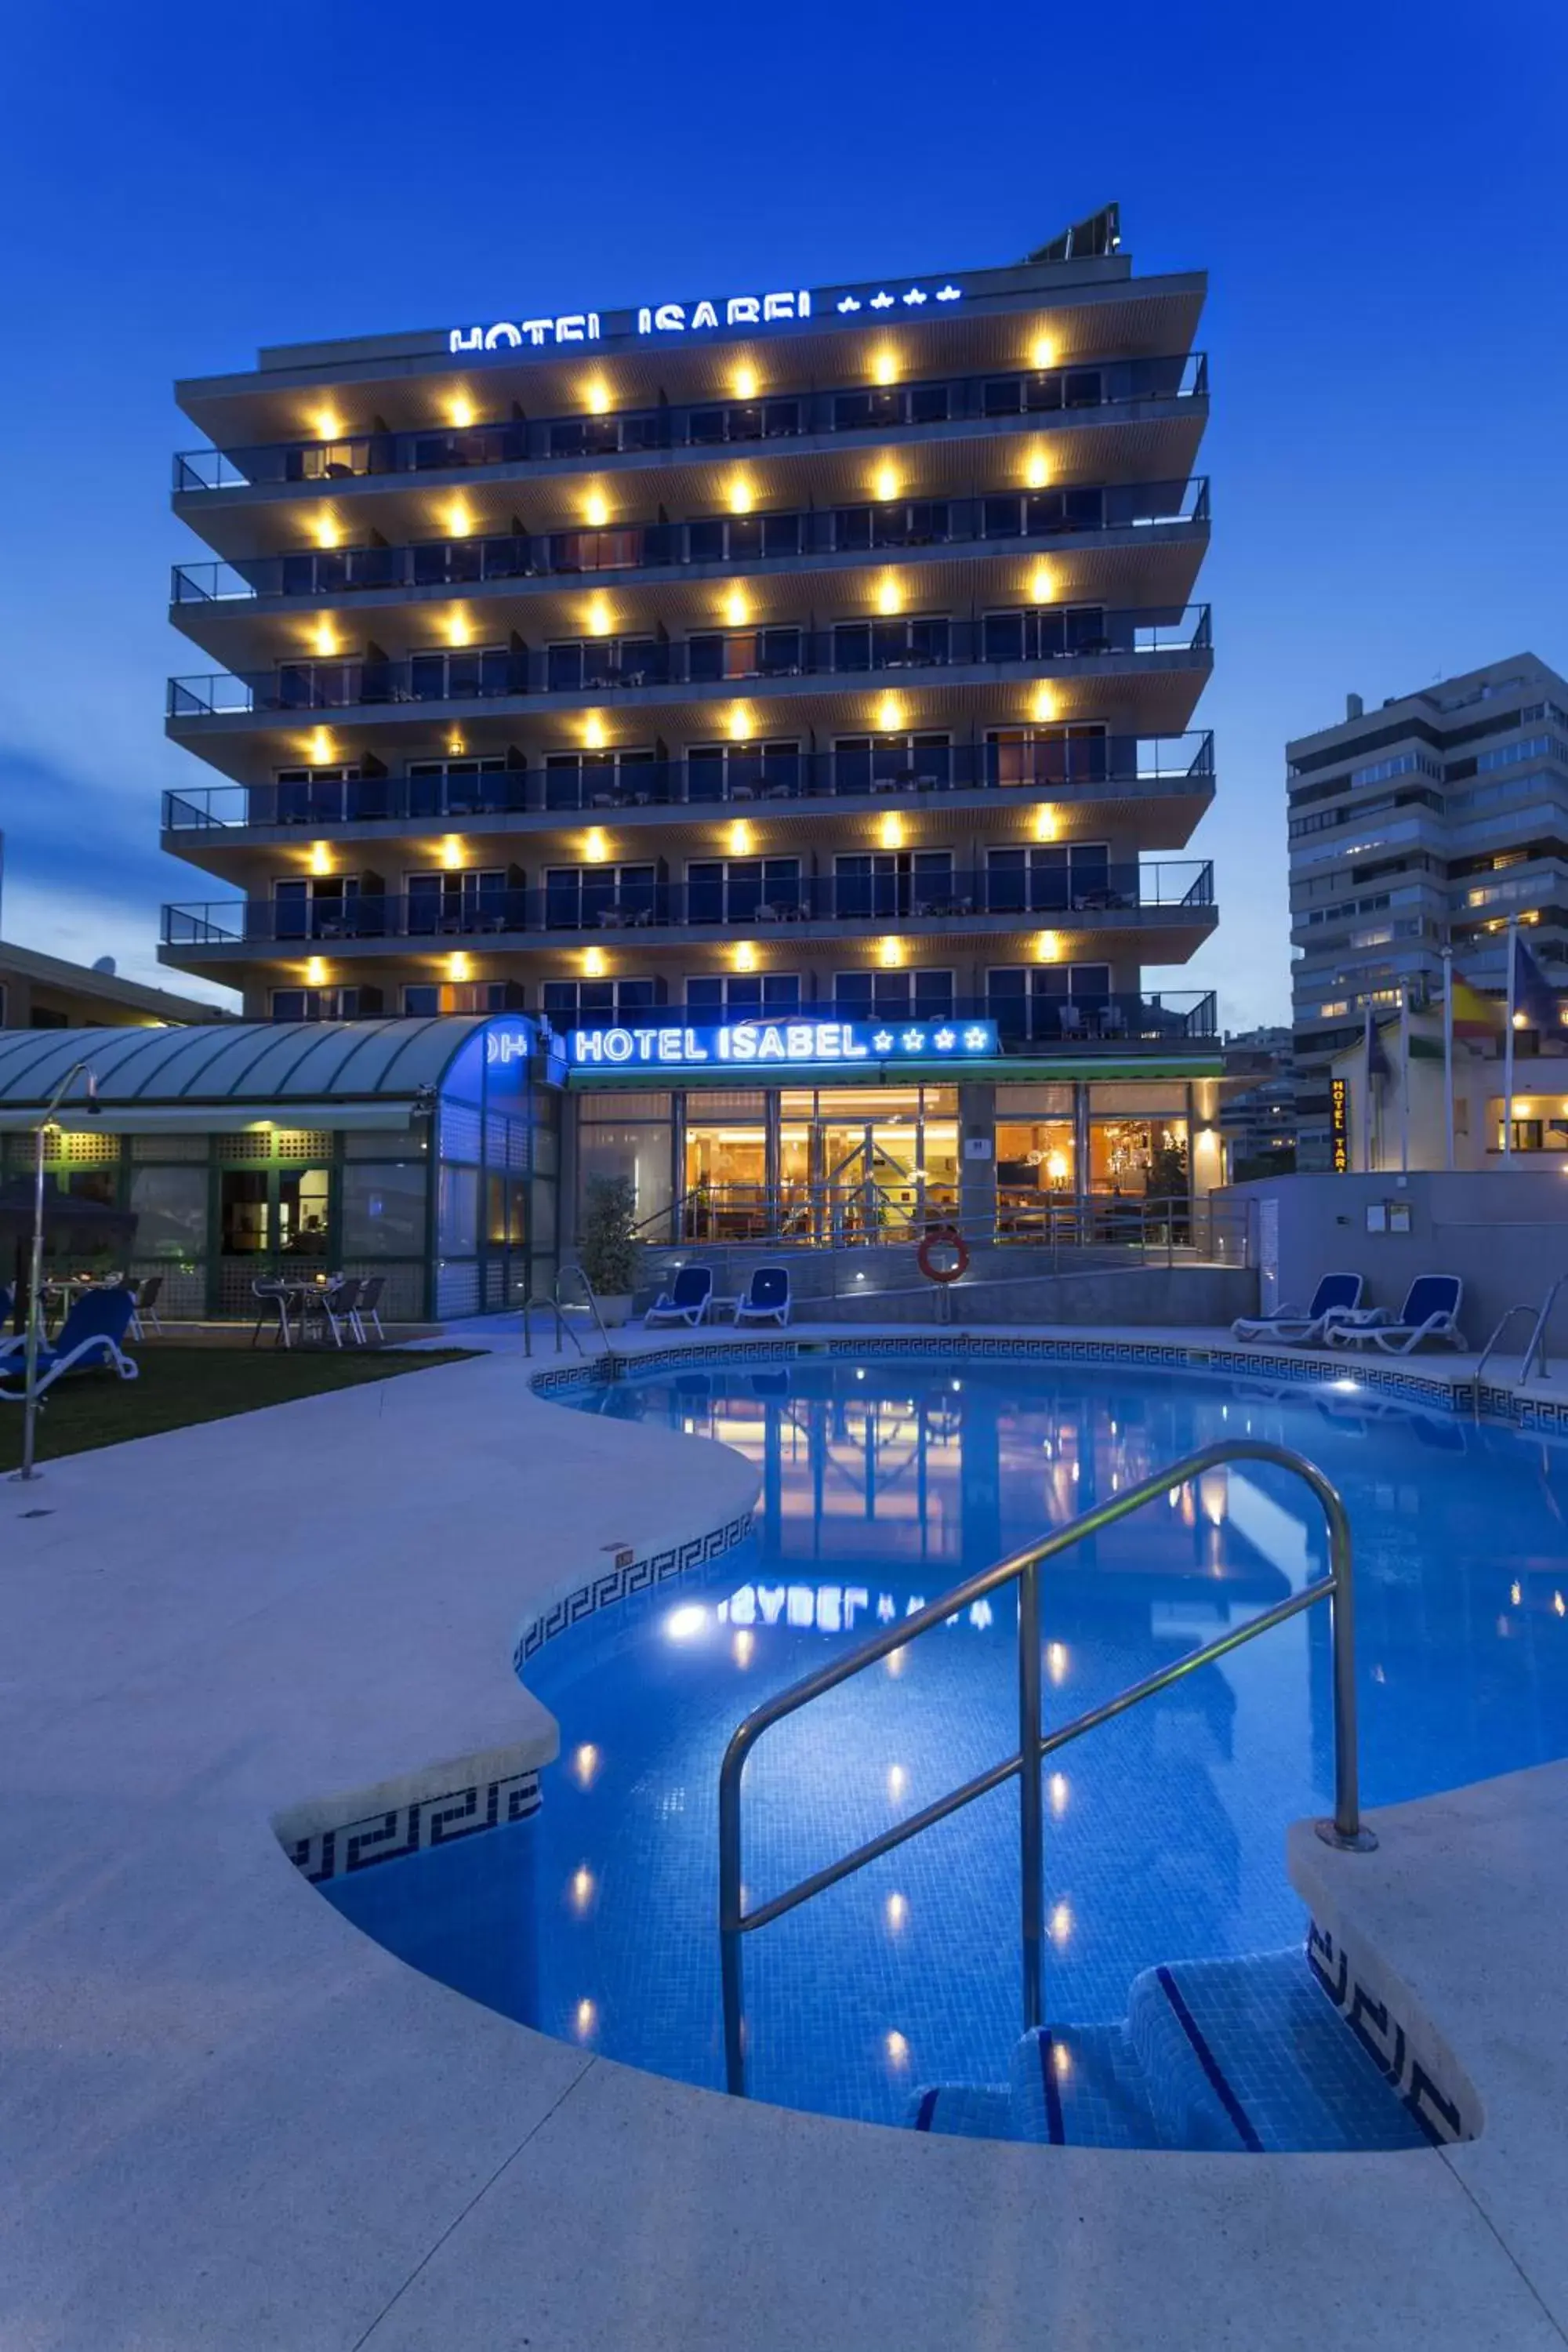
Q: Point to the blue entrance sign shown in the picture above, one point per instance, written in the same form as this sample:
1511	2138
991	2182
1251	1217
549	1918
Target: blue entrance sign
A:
784	1044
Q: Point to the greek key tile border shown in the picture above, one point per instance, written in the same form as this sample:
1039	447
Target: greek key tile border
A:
627	1577
414	1828
1385	2042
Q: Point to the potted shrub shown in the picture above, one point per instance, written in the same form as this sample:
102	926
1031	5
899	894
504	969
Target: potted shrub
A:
608	1249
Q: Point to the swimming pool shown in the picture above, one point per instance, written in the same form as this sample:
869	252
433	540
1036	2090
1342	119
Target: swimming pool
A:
883	1483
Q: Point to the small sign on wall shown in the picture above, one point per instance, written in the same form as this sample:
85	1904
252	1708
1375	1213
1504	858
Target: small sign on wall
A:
977	1146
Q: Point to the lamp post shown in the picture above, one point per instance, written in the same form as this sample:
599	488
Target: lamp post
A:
35	1275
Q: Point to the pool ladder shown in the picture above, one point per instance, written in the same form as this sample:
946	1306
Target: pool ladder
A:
1536	1346
556	1305
735	1922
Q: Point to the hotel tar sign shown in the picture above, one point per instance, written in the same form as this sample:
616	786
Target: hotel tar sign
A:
783	1044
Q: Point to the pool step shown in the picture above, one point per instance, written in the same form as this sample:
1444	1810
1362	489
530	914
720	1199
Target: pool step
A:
1238	2055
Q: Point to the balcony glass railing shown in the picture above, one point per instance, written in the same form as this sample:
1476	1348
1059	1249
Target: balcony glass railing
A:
1006	519
707	424
1031	639
1169	1018
596	899
1087	766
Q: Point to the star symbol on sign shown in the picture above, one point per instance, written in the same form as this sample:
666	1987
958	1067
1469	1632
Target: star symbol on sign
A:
849	303
881	301
882	1043
914	1041
914	295
944	1041
974	1039
948	293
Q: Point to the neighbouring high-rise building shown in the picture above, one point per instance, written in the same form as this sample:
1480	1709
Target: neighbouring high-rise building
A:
1421	825
800	677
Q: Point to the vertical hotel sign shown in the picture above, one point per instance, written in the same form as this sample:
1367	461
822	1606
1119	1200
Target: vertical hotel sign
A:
1339	1126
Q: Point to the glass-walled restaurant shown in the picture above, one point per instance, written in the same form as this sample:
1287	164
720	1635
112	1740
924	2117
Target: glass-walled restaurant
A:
839	1164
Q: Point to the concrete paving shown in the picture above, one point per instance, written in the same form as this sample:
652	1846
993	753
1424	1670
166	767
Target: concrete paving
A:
231	2121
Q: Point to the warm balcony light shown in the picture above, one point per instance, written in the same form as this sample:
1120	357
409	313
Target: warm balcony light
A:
741	495
890	833
596	394
598	617
456	744
745	957
321	858
593	964
594	732
740	838
885	367
889	595
324	638
461	412
595	510
1043	703
889	714
1047	824
457	520
1037	470
460	629
451	853
1042	586
740	724
890	954
885	483
1042	352
460	967
315	971
326	424
737	611
1522	1019
1048	947
321	751
595	848
329	533
745	380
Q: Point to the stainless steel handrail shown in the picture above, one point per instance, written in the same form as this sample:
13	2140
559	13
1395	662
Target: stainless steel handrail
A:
588	1294
1535	1346
1343	1829
562	1325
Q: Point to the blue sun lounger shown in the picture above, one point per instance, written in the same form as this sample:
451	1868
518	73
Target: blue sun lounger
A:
1304	1326
92	1333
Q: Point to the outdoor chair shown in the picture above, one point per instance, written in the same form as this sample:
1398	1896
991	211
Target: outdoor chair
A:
687	1300
367	1309
145	1314
337	1306
91	1333
272	1299
1431	1311
1303	1326
767	1297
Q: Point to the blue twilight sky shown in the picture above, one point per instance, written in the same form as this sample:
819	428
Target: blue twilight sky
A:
1377	190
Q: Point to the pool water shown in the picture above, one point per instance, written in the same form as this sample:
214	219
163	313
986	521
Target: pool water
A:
883	1484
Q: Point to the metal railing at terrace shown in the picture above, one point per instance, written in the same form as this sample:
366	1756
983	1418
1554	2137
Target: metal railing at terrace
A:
705	424
581	901
1087	765
1003	522
1065	1232
1030	640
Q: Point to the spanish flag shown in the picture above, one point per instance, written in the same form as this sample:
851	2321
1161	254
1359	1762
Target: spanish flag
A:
1474	1015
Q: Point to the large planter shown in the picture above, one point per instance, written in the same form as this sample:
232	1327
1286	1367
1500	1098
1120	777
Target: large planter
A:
614	1308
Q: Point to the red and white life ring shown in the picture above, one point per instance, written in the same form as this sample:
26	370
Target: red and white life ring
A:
951	1242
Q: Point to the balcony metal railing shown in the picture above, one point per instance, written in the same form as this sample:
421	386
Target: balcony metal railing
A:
1087	766
1033	639
706	425
586	902
1006	521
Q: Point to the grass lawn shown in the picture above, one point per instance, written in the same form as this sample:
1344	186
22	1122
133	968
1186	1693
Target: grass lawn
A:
182	1385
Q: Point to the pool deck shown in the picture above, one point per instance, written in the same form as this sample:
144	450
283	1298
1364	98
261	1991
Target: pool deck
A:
232	2121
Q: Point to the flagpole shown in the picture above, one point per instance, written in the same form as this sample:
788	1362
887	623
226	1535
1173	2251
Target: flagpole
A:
1366	1099
1508	1046
1448	1049
1404	1079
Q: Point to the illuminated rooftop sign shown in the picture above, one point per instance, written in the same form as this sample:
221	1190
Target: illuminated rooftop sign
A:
781	1043
714	314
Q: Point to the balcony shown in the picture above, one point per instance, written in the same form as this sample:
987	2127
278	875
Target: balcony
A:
1171	1020
1008	519
986	401
591	901
1024	642
1089	767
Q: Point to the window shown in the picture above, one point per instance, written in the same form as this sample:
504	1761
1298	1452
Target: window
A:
743	539
743	889
602	898
1055	755
1046	389
901	522
885	884
325	1003
582	664
478	900
1540	747
566	1001
470	675
603	436
743	420
456	788
427	997
889	645
311	796
894	995
1033	1004
324	907
626	779
882	404
1040	879
1041	514
1404	763
744	653
743	772
869	764
735	996
595	550
1051	633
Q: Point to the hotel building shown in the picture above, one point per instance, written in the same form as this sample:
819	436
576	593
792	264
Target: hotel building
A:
1421	825
818	659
